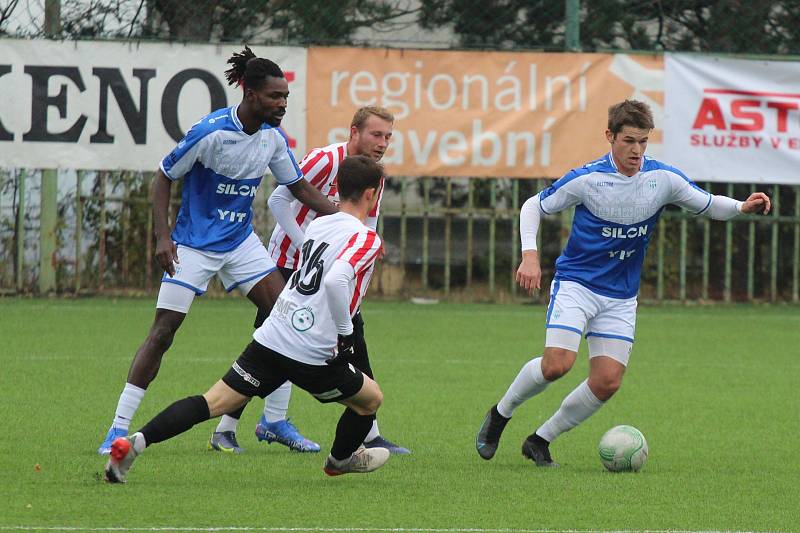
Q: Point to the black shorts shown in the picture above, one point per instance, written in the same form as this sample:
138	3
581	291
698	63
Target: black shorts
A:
259	371
286	273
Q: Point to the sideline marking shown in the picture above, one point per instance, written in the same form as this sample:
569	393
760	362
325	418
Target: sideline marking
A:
353	529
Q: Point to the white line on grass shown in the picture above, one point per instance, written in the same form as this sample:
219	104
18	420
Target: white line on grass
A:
350	529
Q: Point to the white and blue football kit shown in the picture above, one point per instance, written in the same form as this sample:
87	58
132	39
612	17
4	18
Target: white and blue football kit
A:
222	168
598	272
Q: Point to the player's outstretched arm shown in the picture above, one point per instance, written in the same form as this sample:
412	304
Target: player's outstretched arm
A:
311	197
758	202
529	273
718	207
280	204
166	251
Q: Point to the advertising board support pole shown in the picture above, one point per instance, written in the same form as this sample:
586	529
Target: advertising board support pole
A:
751	253
773	268
48	218
21	230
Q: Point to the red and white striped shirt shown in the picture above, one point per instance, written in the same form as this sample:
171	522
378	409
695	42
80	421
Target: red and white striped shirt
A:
301	325
320	167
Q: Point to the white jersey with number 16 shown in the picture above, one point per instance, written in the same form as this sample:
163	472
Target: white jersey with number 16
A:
300	325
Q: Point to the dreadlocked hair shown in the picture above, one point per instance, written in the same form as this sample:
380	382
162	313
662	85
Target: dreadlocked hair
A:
250	71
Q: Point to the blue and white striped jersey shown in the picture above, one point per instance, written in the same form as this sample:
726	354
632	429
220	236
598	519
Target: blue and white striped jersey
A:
222	167
615	217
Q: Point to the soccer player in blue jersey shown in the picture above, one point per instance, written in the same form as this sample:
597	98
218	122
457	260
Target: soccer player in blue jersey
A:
618	200
222	160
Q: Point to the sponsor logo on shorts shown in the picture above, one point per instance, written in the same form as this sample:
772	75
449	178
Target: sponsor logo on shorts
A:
329	395
247	376
303	319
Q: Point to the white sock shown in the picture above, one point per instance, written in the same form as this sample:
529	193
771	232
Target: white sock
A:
227	423
128	403
579	405
374	432
277	404
139	443
528	383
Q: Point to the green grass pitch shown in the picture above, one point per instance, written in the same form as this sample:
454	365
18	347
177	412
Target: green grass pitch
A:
714	390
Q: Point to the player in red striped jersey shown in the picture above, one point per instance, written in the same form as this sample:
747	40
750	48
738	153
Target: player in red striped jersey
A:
308	339
370	134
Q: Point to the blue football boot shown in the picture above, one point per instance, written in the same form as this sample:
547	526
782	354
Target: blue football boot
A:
380	442
113	434
285	433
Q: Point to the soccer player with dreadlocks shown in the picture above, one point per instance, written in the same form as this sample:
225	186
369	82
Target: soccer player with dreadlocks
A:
222	160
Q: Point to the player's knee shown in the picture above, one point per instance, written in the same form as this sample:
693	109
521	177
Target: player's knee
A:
370	405
375	402
604	387
161	335
559	363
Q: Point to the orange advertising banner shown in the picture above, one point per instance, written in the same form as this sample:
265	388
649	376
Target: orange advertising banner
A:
480	114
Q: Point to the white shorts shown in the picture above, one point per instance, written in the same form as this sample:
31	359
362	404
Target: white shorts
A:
608	323
241	268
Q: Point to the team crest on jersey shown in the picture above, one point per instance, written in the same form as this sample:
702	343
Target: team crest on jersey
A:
302	319
652	183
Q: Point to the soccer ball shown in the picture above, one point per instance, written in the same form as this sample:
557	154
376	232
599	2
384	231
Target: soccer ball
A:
623	449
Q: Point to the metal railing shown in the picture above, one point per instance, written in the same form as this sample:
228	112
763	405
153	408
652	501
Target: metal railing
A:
446	238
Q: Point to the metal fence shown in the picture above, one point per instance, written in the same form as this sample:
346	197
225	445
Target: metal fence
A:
447	238
454	238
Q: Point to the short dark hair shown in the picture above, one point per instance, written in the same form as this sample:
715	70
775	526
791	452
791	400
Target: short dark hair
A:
361	116
357	173
630	113
250	71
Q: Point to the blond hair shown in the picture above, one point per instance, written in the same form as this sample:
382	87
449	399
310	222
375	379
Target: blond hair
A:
361	116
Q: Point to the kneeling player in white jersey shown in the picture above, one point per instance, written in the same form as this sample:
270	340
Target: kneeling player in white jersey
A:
307	339
222	160
370	134
618	200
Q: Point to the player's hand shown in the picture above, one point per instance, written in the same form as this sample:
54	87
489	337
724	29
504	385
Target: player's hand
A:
757	202
344	350
529	273
167	254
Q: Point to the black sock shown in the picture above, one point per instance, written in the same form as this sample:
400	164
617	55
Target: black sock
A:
497	415
351	431
536	439
175	419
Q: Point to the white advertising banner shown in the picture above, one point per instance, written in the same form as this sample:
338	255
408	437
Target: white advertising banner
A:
112	105
733	120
